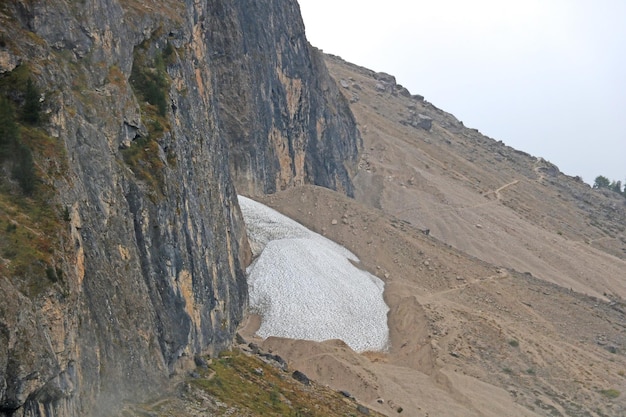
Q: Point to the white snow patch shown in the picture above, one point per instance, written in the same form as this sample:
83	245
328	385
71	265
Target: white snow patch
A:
305	287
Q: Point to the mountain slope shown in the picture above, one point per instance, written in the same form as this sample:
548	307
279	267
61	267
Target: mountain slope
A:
481	196
467	338
504	277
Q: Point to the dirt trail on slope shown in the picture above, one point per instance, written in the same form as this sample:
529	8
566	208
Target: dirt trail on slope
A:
504	277
485	199
467	338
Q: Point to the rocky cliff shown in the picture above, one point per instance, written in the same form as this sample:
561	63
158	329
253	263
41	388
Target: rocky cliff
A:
293	126
155	111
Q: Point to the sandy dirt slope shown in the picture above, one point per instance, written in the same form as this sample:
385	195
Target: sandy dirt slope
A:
467	338
479	195
505	278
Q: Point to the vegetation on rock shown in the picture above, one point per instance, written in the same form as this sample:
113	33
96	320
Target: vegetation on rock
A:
603	182
240	383
150	83
31	222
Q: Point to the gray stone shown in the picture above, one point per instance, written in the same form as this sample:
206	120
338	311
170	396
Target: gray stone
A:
381	86
423	121
363	410
346	394
402	91
385	78
300	377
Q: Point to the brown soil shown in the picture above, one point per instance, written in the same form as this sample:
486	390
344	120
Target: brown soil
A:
510	306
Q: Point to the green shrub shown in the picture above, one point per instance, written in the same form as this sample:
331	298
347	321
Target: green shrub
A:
610	393
65	216
31	110
150	82
51	274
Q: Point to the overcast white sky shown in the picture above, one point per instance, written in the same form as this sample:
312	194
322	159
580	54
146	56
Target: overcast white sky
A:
544	76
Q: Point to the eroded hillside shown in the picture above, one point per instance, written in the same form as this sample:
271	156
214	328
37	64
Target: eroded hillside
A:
468	338
479	195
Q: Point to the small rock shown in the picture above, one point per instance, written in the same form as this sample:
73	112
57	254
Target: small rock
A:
403	91
479	226
282	364
254	348
380	401
384	77
380	87
300	377
346	394
333	222
363	410
455	354
240	339
259	371
344	83
201	362
423	121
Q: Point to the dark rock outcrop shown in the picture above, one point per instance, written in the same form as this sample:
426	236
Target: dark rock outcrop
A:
154	250
300	377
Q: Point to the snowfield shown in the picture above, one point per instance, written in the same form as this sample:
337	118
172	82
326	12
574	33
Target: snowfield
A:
305	287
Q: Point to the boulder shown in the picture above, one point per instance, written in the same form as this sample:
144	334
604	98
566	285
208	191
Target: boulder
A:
422	121
300	377
385	78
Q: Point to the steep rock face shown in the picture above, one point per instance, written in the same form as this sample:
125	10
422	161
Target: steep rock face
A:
153	252
293	126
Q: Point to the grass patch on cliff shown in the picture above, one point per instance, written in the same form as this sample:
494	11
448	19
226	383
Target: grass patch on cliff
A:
144	159
253	387
150	83
242	384
30	161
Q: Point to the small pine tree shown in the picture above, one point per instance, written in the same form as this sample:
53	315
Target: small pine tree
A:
616	186
601	182
8	128
32	107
